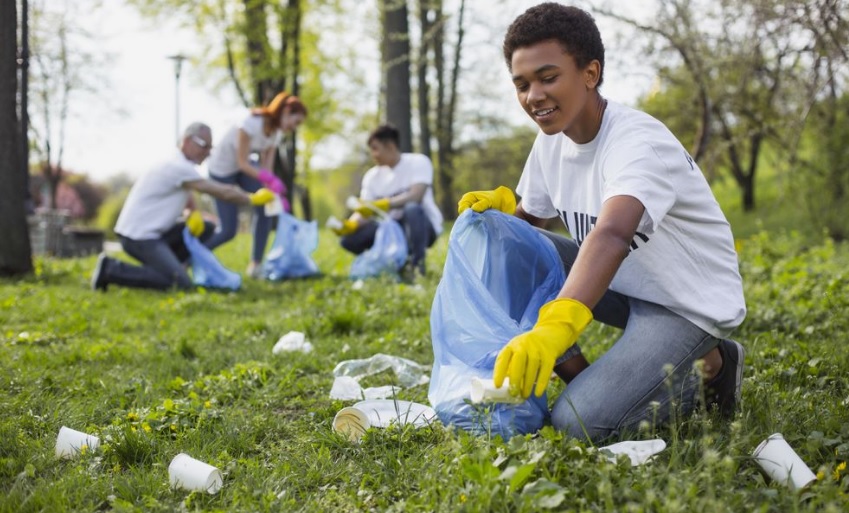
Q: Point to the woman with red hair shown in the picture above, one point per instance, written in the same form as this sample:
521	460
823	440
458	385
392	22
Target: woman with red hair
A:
244	157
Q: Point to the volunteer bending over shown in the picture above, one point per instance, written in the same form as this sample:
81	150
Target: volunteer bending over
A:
149	226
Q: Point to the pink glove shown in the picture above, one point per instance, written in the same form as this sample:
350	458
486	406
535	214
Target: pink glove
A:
271	182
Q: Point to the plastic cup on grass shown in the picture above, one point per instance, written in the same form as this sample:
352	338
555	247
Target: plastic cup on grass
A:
352	423
70	442
194	475
781	463
485	391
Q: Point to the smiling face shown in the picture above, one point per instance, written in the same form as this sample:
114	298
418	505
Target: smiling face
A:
557	94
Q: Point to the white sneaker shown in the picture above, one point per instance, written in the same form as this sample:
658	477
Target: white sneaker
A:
254	270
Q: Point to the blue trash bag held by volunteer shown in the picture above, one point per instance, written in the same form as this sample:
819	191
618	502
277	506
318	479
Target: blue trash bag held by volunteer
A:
386	255
207	271
290	255
498	272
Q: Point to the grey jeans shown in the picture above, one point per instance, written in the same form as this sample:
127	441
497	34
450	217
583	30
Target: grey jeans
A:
163	261
646	376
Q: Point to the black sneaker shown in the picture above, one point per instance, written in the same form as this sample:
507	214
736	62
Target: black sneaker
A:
98	277
724	390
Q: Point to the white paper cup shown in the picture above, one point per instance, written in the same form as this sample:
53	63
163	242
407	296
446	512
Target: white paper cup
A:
352	202
352	423
485	391
274	207
333	223
70	443
781	463
190	474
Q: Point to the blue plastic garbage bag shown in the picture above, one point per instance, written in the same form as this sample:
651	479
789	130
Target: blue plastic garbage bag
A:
207	271
386	255
291	254
498	272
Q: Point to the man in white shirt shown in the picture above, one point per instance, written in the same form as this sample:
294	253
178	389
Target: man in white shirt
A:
402	185
651	252
149	226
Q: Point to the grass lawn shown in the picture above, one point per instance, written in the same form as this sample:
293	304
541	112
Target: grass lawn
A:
155	374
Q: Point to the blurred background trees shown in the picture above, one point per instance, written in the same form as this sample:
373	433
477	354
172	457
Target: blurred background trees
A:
755	89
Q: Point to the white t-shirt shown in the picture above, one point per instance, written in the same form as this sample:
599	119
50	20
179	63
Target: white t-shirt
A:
223	159
683	255
413	168
157	199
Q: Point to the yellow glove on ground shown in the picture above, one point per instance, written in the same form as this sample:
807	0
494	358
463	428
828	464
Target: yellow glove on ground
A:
261	197
366	208
348	227
195	223
531	356
501	199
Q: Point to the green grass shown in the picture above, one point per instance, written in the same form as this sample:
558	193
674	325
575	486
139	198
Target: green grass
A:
156	374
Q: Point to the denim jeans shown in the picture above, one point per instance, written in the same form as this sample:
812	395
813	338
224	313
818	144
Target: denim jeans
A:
417	228
163	261
228	215
647	375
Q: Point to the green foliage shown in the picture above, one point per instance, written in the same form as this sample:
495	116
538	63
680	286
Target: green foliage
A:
488	163
822	174
155	374
107	215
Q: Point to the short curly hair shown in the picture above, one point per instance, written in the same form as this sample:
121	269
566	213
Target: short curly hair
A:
573	28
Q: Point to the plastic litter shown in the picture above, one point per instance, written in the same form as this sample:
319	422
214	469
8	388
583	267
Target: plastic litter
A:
409	373
346	386
290	255
71	443
498	272
782	464
207	271
385	256
353	421
638	451
292	341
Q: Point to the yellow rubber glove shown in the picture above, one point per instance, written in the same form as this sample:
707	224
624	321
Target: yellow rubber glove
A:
367	208
348	227
501	199
261	197
531	356
195	223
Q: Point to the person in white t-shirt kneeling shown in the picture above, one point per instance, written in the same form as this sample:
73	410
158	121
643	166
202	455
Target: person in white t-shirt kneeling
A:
651	252
150	226
400	184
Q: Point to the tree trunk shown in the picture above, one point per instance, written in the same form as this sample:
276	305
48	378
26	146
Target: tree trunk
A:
748	190
396	68
24	140
256	33
15	251
422	68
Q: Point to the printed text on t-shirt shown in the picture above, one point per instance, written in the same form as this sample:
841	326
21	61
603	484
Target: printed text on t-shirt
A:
584	223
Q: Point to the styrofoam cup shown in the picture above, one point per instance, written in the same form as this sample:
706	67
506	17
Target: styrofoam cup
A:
274	207
485	391
190	474
351	422
70	443
333	223
782	464
352	202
